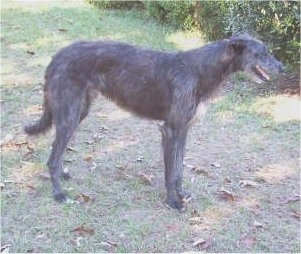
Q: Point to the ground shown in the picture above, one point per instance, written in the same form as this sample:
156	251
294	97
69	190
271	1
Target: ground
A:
241	164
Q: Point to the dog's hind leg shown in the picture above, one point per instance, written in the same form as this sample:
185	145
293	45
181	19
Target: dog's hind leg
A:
66	120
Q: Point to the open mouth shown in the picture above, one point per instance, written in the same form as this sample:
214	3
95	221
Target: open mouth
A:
261	73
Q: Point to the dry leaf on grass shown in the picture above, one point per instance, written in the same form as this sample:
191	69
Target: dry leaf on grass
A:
197	170
227	195
30	52
201	171
257	224
31	187
140	159
88	157
83	198
5	248
216	164
202	243
248	183
108	245
227	181
147	179
62	29
83	230
71	149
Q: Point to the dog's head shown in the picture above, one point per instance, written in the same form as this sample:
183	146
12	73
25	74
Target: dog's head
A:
253	58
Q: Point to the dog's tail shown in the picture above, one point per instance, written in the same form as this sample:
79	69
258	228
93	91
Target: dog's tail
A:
43	124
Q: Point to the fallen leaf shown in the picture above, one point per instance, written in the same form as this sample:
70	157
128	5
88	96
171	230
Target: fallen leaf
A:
83	198
41	236
197	170
227	181
5	248
112	243
216	165
103	128
247	240
70	148
227	195
201	171
108	245
202	243
69	160
248	183
198	242
191	167
30	52
140	159
147	179
257	224
88	157
83	230
30	187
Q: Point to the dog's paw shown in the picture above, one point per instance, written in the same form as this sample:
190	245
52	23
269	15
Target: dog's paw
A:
65	176
177	204
185	196
60	197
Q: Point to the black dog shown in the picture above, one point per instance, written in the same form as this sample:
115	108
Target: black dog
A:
156	85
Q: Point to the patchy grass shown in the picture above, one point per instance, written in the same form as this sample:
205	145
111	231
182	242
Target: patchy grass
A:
242	161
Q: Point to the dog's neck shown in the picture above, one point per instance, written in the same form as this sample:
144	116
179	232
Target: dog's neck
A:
213	61
212	66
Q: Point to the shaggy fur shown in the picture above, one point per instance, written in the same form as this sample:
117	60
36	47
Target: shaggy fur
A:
156	85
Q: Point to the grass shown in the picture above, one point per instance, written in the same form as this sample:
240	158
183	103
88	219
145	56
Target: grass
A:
247	134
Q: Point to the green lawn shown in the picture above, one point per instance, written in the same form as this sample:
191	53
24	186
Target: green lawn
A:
242	161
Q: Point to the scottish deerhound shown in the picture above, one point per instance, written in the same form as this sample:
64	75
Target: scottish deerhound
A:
156	85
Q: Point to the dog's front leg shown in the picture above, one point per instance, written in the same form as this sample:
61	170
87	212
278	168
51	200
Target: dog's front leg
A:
174	139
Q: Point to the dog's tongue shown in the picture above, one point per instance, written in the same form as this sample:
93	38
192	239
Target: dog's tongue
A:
263	75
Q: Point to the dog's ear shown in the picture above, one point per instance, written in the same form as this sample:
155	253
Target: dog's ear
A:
235	46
